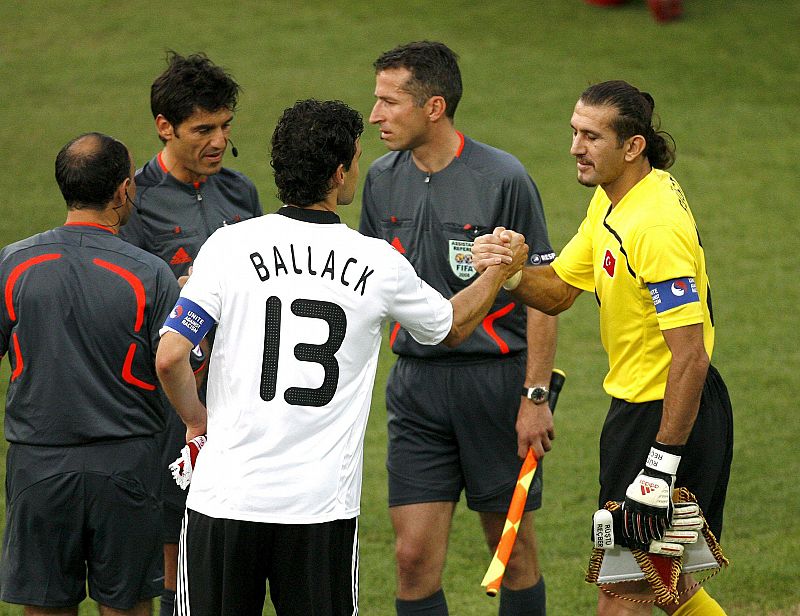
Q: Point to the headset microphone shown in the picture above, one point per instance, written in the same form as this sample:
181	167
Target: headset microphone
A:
234	151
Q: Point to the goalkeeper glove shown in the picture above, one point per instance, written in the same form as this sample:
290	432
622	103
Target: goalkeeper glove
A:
683	530
182	467
647	509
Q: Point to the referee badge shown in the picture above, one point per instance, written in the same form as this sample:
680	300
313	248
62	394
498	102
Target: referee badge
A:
460	258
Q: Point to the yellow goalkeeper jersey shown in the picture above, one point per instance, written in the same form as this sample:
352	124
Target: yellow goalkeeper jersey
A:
645	262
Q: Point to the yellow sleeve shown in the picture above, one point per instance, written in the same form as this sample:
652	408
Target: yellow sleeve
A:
663	253
574	265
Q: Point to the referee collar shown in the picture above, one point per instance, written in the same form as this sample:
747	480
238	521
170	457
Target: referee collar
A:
320	217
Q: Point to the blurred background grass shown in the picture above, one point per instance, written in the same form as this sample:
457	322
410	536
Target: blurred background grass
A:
726	83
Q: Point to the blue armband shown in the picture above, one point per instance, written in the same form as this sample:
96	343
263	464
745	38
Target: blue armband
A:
673	293
189	320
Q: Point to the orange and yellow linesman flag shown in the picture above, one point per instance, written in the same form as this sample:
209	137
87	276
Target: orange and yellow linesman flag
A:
497	568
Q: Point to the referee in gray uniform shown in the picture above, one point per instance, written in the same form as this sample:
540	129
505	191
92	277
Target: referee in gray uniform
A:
458	419
184	194
79	323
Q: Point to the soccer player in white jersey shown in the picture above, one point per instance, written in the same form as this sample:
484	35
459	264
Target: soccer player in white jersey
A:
298	299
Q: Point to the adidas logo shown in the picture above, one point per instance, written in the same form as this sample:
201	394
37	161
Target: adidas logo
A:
181	256
647	487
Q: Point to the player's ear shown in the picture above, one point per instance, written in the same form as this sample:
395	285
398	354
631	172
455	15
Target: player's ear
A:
634	146
338	176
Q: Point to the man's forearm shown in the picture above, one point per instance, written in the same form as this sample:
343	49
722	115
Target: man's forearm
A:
471	305
179	383
687	375
542	332
542	289
181	389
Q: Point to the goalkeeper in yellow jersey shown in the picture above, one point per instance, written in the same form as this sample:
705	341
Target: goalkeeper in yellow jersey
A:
639	251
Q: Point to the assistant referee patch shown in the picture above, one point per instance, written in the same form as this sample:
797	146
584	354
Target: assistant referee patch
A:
673	293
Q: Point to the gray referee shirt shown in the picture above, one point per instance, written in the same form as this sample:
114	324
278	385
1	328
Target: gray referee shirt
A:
79	324
433	219
173	219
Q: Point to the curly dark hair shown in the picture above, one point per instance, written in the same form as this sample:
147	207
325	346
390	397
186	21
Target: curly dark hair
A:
311	140
90	168
634	117
190	83
434	71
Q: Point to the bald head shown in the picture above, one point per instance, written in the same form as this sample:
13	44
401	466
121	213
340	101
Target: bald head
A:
90	168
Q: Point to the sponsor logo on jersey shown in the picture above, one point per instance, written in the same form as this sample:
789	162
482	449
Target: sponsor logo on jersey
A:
673	293
180	256
460	258
609	263
539	259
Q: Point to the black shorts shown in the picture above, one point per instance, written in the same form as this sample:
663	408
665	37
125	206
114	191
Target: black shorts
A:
452	428
77	513
224	566
631	428
173	499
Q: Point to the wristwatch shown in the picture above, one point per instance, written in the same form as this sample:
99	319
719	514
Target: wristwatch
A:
537	394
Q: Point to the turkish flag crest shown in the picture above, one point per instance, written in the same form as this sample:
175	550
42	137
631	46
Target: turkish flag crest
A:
609	263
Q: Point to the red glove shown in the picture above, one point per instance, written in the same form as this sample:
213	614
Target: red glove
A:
183	466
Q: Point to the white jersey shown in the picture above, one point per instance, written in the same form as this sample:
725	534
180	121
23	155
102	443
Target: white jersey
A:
299	299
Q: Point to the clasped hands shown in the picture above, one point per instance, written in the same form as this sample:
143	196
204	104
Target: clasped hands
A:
502	247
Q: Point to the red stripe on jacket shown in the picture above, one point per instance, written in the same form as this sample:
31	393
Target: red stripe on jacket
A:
138	291
488	326
16	273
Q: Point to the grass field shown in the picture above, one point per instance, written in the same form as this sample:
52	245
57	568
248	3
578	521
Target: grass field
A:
726	82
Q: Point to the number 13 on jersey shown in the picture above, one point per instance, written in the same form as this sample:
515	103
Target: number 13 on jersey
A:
322	354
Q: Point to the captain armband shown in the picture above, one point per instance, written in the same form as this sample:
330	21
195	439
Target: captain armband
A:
189	320
673	293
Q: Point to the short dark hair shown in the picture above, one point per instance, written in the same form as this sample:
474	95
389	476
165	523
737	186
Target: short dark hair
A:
634	117
311	140
190	83
434	71
90	168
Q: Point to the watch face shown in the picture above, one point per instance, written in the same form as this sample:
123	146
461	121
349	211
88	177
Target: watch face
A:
539	394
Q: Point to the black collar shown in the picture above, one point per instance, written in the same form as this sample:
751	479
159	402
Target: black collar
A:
321	217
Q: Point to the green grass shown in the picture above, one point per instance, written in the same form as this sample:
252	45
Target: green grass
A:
726	84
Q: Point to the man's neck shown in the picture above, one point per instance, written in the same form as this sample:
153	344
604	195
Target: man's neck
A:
439	150
620	187
328	205
177	171
107	218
